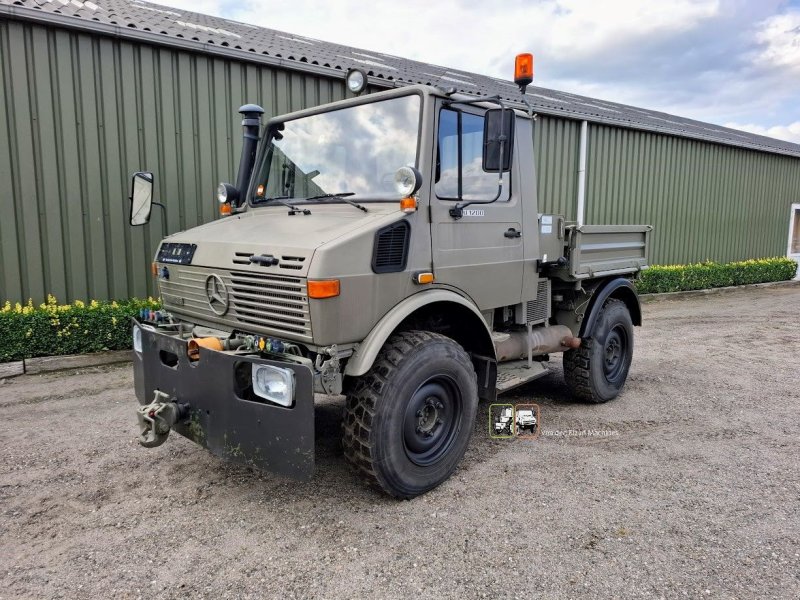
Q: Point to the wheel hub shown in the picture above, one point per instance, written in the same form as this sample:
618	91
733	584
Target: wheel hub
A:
614	353
431	420
428	419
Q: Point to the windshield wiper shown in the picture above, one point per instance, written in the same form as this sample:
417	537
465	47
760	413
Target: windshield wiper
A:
342	197
280	200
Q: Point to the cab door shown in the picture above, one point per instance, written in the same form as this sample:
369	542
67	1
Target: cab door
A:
480	253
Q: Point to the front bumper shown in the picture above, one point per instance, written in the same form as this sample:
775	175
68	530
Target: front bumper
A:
223	416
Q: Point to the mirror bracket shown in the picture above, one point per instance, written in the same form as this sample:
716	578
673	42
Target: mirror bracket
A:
457	211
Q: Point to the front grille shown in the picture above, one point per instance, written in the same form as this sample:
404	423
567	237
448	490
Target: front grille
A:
293	263
271	301
258	303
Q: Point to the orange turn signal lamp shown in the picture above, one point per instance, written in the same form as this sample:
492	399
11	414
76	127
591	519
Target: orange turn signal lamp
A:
523	70
408	205
423	278
323	288
225	209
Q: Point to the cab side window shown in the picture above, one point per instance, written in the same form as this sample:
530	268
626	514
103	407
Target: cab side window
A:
459	168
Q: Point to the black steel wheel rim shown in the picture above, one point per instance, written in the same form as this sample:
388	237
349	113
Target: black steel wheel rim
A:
615	353
431	420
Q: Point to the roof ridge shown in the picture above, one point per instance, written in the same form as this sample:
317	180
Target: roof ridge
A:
149	22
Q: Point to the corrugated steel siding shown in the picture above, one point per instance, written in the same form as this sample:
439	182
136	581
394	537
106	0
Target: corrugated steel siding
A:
79	113
706	201
556	151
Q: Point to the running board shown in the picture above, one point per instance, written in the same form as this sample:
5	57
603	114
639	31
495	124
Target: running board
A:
515	373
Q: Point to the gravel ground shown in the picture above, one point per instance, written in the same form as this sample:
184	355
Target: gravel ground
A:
687	485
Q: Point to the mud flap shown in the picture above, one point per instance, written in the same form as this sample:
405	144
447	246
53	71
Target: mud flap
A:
224	416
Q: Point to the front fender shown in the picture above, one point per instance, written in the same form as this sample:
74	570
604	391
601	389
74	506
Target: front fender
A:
366	351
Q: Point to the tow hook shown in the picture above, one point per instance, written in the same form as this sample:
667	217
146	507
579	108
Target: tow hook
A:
156	419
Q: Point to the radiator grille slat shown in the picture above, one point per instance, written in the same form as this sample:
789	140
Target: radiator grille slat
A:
258	303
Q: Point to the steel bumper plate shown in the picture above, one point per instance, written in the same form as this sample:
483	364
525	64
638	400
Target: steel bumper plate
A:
271	437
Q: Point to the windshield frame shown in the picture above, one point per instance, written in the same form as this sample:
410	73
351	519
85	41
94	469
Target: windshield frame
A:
270	127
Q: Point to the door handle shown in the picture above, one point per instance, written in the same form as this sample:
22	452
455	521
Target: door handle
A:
512	233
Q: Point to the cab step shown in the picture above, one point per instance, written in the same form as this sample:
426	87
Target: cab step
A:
517	372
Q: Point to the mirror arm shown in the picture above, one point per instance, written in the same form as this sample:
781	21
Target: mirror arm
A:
458	210
163	218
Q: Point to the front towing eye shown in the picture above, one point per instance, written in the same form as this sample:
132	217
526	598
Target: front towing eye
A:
157	418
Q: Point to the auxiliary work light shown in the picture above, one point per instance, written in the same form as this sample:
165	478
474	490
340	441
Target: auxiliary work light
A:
356	81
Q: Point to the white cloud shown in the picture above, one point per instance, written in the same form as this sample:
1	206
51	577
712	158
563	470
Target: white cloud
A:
789	133
473	36
780	36
713	60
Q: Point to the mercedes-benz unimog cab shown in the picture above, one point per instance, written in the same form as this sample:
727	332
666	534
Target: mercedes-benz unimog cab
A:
390	248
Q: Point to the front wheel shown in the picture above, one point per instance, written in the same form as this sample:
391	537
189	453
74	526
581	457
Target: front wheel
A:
596	372
408	420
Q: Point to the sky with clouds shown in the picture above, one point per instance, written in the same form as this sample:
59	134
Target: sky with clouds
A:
730	62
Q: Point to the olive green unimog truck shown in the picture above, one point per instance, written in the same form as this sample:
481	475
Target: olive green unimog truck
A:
388	247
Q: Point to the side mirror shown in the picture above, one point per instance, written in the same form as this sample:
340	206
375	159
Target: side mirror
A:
141	198
498	126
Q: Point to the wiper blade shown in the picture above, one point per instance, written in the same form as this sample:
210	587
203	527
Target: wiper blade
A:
281	200
343	197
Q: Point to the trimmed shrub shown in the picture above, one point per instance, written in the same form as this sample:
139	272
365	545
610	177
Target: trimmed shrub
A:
50	329
700	276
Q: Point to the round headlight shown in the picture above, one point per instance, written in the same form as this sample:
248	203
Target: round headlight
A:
407	180
226	193
356	80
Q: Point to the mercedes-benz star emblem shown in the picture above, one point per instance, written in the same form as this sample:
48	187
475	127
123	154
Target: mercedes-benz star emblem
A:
217	294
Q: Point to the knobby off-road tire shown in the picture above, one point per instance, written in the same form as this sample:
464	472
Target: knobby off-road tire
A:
408	420
596	372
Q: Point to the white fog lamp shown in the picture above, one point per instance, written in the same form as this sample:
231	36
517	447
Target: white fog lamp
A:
137	339
274	384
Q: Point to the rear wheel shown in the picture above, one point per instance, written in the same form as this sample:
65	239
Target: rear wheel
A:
596	372
408	420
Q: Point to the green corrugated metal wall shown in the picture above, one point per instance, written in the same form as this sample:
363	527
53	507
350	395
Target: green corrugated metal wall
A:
706	201
80	112
556	148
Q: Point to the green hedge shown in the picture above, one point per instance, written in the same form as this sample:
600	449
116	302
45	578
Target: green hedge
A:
700	276
51	329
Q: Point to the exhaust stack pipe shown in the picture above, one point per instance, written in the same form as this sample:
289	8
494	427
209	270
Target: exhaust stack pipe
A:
544	340
251	123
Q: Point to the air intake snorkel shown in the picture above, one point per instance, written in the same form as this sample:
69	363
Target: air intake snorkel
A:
251	124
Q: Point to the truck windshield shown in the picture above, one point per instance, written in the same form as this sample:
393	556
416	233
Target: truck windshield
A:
354	151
